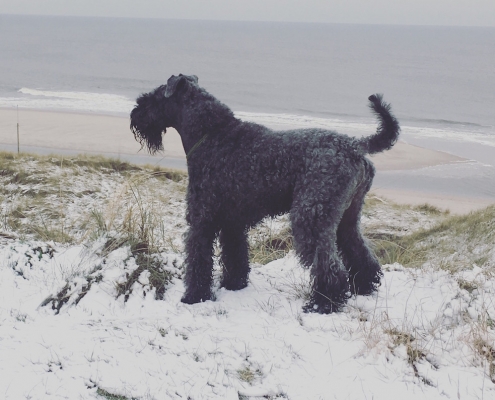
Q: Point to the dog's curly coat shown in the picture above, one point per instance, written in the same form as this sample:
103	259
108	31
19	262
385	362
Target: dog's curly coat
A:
241	172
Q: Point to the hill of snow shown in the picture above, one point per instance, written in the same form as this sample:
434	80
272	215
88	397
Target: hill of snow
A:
82	315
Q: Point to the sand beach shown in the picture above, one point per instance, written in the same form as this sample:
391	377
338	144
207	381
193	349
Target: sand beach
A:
47	132
85	133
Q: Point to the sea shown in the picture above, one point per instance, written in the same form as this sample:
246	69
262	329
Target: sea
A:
439	80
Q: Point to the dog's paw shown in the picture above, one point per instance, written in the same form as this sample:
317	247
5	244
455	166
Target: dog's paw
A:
193	298
365	285
234	284
321	304
322	307
364	290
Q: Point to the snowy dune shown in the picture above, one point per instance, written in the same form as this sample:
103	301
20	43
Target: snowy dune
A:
67	331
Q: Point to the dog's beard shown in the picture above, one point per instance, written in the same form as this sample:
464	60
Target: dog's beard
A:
146	129
150	139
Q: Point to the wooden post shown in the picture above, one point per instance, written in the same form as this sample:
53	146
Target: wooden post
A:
18	151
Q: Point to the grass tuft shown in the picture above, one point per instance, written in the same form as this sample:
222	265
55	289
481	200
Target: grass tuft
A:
159	278
414	353
63	199
429	209
247	375
487	353
269	245
469	286
110	396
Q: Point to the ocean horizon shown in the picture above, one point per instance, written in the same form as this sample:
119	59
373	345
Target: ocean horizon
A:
440	76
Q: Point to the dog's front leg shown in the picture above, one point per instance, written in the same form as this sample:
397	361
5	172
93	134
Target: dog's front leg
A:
235	257
199	262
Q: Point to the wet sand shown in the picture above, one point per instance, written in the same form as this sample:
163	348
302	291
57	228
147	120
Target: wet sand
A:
405	156
48	132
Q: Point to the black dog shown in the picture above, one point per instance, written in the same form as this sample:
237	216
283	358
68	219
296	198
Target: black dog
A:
241	172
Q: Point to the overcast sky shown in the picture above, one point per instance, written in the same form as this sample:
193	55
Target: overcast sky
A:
409	12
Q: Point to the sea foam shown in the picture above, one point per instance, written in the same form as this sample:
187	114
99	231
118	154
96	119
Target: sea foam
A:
69	101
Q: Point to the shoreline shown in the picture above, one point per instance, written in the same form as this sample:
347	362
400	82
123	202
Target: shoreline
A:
71	133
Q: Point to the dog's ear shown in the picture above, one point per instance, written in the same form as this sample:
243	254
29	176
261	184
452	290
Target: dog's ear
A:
173	84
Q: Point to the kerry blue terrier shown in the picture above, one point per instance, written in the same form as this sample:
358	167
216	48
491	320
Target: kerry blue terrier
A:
241	172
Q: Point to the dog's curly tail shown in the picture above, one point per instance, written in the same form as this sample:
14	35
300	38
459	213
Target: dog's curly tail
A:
388	129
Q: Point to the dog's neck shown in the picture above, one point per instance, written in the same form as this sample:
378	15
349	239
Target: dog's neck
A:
195	127
195	146
190	136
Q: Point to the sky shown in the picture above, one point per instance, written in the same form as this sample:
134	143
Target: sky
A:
401	12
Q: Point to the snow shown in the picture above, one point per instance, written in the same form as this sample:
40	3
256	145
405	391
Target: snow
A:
66	331
163	349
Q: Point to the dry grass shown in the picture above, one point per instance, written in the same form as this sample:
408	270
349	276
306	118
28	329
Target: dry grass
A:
137	214
159	278
53	198
480	338
74	199
429	209
249	375
415	353
454	244
82	199
268	245
110	396
486	352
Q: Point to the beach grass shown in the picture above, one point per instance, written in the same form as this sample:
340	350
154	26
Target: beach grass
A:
75	199
67	199
455	243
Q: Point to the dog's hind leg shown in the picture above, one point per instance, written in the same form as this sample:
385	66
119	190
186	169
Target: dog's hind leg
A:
199	262
235	258
315	235
364	269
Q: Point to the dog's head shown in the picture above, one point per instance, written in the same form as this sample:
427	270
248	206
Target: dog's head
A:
157	110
